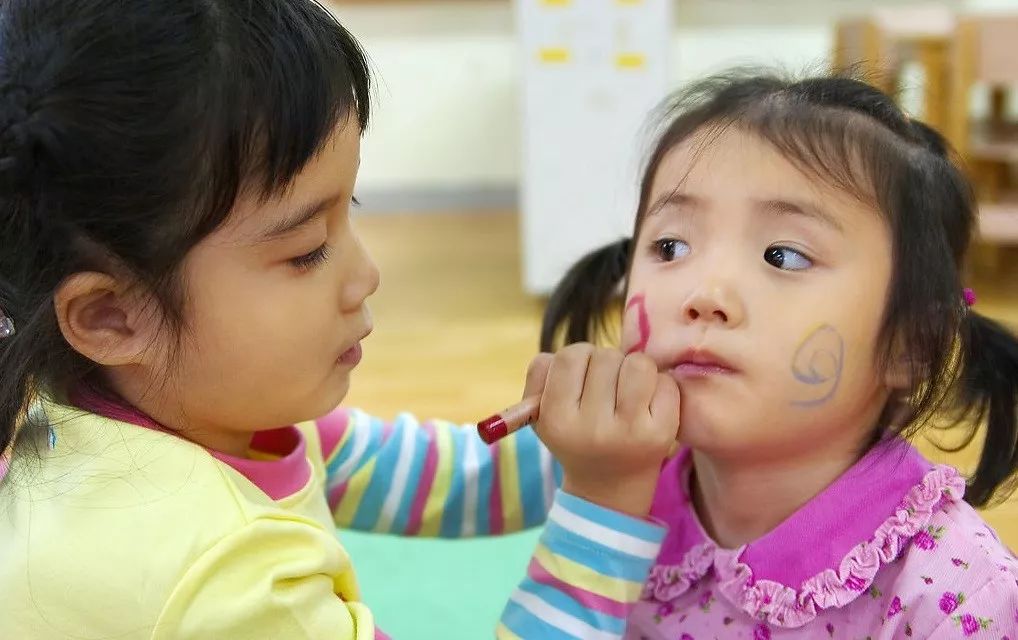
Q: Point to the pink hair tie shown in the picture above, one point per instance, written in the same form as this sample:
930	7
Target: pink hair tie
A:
970	296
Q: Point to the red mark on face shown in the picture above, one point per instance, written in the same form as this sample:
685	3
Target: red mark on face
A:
643	322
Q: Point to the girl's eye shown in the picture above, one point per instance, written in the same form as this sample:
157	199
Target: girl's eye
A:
669	249
309	261
787	259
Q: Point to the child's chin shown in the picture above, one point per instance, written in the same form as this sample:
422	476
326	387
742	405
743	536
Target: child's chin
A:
712	437
333	396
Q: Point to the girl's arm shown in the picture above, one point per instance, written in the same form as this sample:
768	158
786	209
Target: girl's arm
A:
585	576
438	478
434	478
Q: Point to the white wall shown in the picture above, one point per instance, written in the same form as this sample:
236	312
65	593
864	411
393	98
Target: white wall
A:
448	112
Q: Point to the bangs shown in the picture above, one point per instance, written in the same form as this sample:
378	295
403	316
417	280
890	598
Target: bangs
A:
285	79
845	149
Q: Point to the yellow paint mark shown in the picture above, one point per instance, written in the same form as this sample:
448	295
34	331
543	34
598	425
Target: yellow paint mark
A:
631	60
554	55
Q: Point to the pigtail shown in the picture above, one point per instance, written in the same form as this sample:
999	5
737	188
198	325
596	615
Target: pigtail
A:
581	299
987	387
988	391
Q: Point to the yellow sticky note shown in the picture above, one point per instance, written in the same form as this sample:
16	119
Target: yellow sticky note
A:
630	60
556	3
554	55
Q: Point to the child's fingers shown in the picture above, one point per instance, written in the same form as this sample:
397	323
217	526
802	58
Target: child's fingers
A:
602	381
537	375
565	378
664	406
637	381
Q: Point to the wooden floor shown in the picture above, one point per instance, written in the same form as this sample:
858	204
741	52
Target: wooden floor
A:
454	332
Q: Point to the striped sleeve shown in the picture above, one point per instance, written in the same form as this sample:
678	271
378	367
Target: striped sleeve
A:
434	478
586	574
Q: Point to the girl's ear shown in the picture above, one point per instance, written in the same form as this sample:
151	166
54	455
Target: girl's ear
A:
105	319
898	375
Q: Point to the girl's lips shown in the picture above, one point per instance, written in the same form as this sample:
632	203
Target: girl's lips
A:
352	356
697	370
701	364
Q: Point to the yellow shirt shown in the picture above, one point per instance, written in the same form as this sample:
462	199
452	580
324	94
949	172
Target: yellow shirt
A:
105	510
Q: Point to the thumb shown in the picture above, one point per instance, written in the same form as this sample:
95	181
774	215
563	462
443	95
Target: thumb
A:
664	406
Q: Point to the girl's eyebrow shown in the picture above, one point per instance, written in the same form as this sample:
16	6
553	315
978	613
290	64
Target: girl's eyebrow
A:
807	209
299	217
674	198
771	206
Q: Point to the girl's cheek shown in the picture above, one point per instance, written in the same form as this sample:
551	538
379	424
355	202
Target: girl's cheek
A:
636	329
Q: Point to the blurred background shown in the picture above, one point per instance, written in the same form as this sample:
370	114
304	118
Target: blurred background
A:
507	141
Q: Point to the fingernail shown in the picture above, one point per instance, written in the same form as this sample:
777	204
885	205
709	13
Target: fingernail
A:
492	429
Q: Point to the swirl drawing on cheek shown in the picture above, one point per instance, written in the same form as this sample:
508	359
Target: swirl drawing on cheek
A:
818	363
642	321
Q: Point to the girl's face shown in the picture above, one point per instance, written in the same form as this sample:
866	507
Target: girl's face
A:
275	309
762	290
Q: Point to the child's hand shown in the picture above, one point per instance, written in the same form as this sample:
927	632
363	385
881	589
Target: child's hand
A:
610	420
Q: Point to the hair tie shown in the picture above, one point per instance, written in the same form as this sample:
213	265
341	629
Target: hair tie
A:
6	326
969	295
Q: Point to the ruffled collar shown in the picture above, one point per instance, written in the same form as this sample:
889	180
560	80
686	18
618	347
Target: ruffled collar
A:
823	556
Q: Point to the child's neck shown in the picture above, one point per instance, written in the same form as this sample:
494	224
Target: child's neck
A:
739	502
169	416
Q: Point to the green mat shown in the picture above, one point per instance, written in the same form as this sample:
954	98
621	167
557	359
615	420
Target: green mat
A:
427	589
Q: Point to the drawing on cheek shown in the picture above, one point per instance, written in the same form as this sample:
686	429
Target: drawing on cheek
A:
818	363
642	322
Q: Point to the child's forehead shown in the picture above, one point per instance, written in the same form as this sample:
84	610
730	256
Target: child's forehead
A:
327	175
728	160
708	148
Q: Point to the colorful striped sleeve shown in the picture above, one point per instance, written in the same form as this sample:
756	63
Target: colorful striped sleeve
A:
434	478
586	574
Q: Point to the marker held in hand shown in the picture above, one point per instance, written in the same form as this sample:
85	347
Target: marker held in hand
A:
494	428
511	420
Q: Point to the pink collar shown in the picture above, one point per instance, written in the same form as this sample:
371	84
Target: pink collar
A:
280	477
824	555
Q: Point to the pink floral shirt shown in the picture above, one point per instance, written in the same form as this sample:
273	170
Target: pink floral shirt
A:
889	550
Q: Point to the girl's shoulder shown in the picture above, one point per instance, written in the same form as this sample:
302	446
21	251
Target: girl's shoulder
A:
959	527
105	513
955	579
958	544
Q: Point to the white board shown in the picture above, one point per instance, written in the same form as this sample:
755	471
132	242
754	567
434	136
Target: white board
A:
593	71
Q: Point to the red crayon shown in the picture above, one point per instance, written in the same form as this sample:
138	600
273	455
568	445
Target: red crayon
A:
511	420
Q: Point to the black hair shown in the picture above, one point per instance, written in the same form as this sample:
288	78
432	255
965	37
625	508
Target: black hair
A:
855	137
128	128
